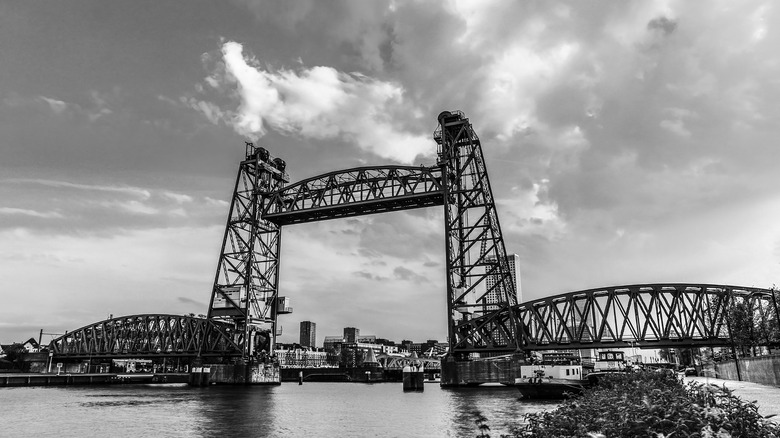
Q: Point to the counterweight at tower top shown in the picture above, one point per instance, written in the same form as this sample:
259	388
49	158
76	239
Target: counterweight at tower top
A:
245	292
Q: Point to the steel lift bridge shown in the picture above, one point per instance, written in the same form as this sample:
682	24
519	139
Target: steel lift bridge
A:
245	294
241	325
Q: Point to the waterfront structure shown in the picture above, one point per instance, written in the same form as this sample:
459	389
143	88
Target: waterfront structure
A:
351	334
333	343
429	348
306	358
366	339
378	348
308	336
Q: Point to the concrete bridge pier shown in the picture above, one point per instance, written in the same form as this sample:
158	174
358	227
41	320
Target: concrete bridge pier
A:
478	371
253	373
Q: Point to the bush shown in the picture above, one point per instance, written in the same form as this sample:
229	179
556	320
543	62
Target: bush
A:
651	404
14	354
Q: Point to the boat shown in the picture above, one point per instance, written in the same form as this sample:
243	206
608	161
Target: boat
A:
550	381
329	377
559	375
609	362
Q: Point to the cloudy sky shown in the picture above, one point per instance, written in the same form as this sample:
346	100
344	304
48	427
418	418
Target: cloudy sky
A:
627	142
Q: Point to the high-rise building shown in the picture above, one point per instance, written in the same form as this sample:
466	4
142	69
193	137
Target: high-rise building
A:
492	298
351	334
308	334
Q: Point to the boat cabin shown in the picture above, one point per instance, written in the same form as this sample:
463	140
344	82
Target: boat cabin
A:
551	371
610	361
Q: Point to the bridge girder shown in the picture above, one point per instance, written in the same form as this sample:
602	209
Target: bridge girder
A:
145	336
398	363
643	316
354	192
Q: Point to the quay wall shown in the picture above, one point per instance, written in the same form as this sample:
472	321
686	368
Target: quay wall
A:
236	374
477	372
760	369
76	379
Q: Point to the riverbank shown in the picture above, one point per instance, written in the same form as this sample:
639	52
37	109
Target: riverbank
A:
65	379
767	397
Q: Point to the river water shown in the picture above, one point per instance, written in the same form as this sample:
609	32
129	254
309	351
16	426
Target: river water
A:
288	410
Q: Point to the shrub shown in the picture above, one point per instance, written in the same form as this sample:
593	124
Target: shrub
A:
651	404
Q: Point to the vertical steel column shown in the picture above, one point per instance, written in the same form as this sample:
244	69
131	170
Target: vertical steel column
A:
246	282
474	246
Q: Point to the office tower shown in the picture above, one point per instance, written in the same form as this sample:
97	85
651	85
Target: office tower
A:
491	299
308	334
351	334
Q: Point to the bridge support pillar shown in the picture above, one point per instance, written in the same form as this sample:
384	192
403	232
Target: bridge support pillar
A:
237	374
478	371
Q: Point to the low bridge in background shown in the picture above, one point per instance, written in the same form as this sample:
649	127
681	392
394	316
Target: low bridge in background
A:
641	316
146	336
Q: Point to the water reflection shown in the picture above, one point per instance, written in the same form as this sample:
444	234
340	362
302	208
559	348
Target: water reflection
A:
235	411
500	405
312	409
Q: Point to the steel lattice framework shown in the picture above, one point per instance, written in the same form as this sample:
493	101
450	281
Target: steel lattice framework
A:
139	336
355	192
643	315
398	363
646	315
475	246
245	292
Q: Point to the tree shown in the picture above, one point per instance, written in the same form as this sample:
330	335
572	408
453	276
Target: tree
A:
686	356
742	326
15	354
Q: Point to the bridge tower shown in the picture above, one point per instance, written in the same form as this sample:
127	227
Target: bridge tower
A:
245	292
474	247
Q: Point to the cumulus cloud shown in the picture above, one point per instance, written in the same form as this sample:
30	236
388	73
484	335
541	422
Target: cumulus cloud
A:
626	142
595	121
360	27
57	106
530	212
319	102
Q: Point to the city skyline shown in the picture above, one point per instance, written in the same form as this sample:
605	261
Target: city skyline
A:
625	142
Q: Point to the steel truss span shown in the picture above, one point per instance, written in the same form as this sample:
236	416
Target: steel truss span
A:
398	363
353	192
141	336
645	315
